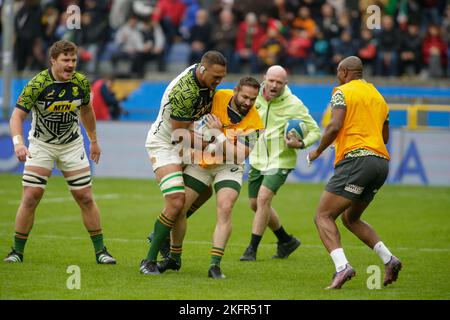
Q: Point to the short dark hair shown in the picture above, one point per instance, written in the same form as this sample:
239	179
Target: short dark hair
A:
62	46
213	57
249	82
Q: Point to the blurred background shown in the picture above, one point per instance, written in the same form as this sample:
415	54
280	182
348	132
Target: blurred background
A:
130	50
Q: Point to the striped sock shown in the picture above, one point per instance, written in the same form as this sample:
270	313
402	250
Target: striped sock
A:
216	255
161	231
20	239
175	252
97	239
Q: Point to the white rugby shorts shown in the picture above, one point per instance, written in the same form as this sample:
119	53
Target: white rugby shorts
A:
216	174
67	157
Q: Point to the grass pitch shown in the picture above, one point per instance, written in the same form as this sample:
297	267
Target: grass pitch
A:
414	222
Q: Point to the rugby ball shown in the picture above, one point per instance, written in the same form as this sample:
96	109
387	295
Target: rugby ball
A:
298	127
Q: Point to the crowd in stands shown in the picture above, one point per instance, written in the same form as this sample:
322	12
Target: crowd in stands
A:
308	37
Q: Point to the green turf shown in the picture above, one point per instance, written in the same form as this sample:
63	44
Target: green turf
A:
414	222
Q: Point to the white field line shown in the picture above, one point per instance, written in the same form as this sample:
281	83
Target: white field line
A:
194	242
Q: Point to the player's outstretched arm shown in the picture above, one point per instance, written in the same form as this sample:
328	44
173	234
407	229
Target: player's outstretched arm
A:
16	126
331	132
87	116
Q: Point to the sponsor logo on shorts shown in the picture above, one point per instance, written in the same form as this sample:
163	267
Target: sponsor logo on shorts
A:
354	189
375	190
234	169
82	156
284	171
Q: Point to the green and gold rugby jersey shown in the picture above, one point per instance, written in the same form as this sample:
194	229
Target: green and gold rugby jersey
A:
55	106
183	100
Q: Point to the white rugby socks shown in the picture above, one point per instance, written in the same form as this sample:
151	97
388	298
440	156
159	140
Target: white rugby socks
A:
383	252
339	259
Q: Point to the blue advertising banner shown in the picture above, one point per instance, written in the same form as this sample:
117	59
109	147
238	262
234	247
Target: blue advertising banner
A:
417	157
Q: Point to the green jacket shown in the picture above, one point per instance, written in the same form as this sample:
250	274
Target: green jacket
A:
271	151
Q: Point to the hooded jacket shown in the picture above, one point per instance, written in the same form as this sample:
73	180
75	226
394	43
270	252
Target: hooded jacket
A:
271	151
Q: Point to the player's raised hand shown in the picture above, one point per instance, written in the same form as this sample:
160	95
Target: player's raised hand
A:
21	152
94	152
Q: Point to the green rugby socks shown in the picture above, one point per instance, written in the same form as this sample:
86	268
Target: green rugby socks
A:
162	228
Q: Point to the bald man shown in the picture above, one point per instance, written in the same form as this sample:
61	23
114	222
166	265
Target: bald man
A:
359	128
274	157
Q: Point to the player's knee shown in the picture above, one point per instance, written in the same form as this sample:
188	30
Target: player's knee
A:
31	197
347	221
175	203
225	207
83	197
263	201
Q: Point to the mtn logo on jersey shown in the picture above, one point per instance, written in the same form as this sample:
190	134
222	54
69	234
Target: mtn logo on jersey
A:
62	106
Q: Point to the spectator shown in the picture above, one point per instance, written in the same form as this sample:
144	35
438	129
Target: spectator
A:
129	42
169	14
328	22
283	10
200	39
344	23
28	46
313	6
343	47
298	51
224	34
94	32
154	44
190	16
410	51
50	19
430	13
434	51
367	51
119	12
446	34
104	102
321	55
247	43
272	50
388	47
338	5
304	21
